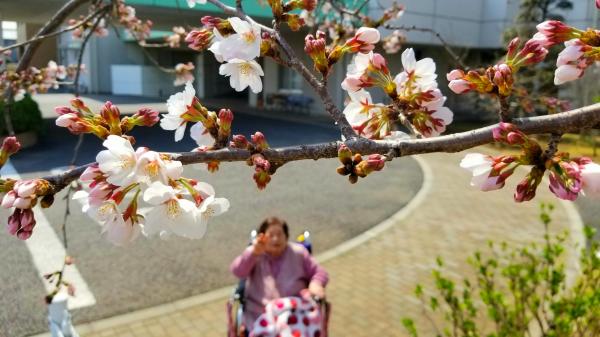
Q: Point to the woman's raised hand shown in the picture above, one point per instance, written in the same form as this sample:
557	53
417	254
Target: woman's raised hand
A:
260	244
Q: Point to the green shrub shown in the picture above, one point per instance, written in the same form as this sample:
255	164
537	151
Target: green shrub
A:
25	116
517	289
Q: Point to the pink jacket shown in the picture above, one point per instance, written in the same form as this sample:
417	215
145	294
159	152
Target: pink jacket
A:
269	278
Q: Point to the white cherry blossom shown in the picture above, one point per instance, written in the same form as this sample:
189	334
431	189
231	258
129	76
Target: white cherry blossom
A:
243	74
177	105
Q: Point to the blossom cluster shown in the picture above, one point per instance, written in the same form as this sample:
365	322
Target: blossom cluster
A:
582	48
80	119
98	24
414	92
21	196
263	169
568	177
34	80
138	28
354	165
122	176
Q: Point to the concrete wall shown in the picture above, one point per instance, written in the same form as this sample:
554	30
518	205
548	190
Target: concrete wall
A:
471	23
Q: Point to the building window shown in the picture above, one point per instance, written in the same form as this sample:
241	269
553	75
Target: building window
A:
289	79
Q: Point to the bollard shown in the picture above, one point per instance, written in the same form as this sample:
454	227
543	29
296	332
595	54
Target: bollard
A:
59	318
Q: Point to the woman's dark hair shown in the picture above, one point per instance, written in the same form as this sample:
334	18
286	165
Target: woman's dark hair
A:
274	221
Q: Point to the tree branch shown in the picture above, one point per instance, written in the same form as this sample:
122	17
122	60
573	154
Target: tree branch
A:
297	65
58	32
445	44
562	122
50	26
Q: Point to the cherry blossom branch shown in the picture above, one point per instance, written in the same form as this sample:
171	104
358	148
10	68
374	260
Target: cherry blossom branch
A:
295	63
569	121
58	32
50	26
445	44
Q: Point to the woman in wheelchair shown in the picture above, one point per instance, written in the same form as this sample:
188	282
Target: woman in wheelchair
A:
274	268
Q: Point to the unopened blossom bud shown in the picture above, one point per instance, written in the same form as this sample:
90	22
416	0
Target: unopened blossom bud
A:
10	146
598	4
259	141
590	177
374	162
294	21
315	48
79	105
532	52
199	39
262	178
112	116
225	119
212	166
512	48
552	32
144	117
501	76
527	187
211	22
508	133
21	223
565	178
457	83
63	110
260	162
239	142
345	155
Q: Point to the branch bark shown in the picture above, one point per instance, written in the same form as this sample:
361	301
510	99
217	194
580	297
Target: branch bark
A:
558	123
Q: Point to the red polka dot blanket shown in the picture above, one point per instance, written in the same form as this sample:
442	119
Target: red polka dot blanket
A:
289	317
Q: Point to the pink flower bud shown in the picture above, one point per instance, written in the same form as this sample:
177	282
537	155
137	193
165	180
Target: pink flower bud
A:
379	62
239	142
62	110
23	203
555	32
460	86
24	235
25	188
225	116
199	39
598	4
79	105
512	48
455	74
111	114
533	52
9	199
10	145
259	140
14	223
146	117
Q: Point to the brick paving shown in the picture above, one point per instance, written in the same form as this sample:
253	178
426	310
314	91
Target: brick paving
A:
372	284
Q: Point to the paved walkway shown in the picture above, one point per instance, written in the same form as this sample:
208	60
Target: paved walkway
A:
373	276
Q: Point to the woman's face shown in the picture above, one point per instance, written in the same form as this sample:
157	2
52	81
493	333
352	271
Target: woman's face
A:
277	240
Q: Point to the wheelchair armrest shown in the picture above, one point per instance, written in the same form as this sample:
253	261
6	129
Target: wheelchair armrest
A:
238	293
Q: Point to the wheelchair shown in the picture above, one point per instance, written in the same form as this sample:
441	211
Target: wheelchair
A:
235	304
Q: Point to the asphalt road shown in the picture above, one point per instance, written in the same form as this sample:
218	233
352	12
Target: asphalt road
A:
309	195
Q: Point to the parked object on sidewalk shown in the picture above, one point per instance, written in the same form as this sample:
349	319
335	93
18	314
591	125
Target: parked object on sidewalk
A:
59	317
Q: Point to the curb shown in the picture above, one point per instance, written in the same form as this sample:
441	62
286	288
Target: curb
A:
224	292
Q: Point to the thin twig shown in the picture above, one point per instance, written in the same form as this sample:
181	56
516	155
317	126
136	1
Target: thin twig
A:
42	37
445	44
